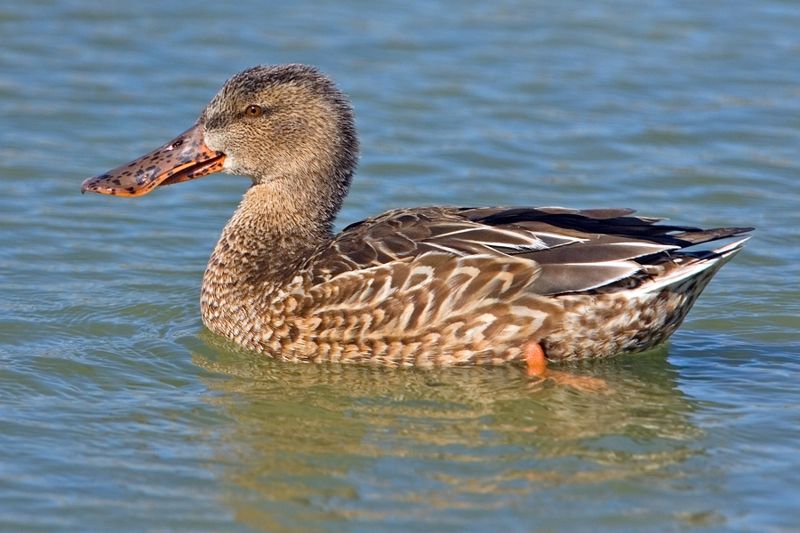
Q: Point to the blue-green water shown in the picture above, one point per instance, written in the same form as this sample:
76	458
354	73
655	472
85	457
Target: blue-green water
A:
119	411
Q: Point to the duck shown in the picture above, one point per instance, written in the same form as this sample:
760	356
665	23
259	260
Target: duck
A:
420	287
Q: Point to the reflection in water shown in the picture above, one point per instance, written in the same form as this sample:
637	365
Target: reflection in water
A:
312	442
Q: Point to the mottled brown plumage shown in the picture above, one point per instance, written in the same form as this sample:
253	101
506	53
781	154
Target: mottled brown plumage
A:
412	287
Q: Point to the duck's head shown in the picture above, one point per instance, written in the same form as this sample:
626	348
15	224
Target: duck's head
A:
285	123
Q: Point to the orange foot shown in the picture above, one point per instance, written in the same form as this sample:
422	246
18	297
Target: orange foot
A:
537	367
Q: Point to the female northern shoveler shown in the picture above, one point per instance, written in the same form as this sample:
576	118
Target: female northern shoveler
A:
411	287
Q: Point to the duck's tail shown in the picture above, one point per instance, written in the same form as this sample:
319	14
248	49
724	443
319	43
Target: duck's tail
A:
698	266
640	317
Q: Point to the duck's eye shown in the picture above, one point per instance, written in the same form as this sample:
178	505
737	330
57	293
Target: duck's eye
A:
253	111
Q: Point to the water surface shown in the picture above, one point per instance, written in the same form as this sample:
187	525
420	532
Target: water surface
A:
119	411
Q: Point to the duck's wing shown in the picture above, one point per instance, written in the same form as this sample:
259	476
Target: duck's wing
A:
567	250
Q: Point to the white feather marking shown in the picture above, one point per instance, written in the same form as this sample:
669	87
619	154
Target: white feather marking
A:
483	322
506	277
469	270
660	247
509	331
529	241
385	291
465	230
537	245
423	270
522	310
630	265
724	254
679	275
405	316
731	248
446	249
456	289
558	236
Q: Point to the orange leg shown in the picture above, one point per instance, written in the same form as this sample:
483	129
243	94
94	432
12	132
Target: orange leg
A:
535	359
536	363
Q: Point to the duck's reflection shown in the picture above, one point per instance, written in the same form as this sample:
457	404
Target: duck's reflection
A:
312	442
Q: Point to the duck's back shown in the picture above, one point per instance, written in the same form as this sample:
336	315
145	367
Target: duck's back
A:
471	285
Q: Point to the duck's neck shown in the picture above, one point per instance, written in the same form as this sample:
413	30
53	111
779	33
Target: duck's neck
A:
276	227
